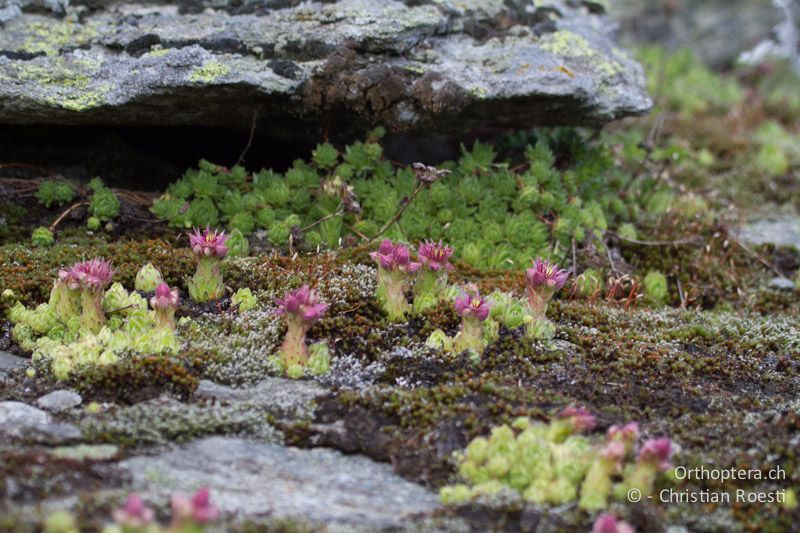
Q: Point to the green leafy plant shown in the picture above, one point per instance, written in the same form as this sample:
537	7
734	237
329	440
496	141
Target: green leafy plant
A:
55	192
494	217
103	203
42	237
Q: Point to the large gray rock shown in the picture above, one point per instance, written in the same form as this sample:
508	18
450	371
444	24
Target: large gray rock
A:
423	64
252	480
718	31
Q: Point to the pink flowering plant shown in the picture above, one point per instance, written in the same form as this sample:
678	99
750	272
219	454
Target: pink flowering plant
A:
652	459
608	463
300	308
209	248
571	420
608	523
92	277
542	281
394	268
431	282
164	303
473	310
135	516
189	515
193	514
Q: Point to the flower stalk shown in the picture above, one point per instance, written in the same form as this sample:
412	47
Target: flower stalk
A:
394	266
164	304
543	280
473	310
300	309
209	247
92	277
432	275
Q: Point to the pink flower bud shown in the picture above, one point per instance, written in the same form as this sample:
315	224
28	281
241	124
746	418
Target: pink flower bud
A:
657	452
165	298
608	523
391	256
581	418
134	513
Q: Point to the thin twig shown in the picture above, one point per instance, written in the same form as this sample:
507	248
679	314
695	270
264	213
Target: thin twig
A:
608	252
689	241
681	293
399	213
249	139
758	258
339	212
574	258
66	212
354	230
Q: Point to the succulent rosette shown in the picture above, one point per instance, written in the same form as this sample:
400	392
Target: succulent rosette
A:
209	247
300	309
394	266
148	278
65	296
92	277
434	260
164	303
473	310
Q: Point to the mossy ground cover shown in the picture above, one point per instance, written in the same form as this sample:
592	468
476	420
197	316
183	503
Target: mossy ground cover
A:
712	362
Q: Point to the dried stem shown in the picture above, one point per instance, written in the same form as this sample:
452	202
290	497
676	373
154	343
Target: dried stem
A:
400	211
64	214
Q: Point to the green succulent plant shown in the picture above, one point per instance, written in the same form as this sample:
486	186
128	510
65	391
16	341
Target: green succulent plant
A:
103	203
55	192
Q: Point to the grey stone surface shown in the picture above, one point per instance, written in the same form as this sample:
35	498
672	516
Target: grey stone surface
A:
781	284
59	400
10	361
284	397
444	65
17	418
718	31
250	479
22	422
780	230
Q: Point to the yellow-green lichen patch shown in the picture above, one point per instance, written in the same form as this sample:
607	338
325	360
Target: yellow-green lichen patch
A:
565	43
158	53
80	100
51	36
209	72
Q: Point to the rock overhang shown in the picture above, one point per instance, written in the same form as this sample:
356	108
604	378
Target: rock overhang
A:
352	64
